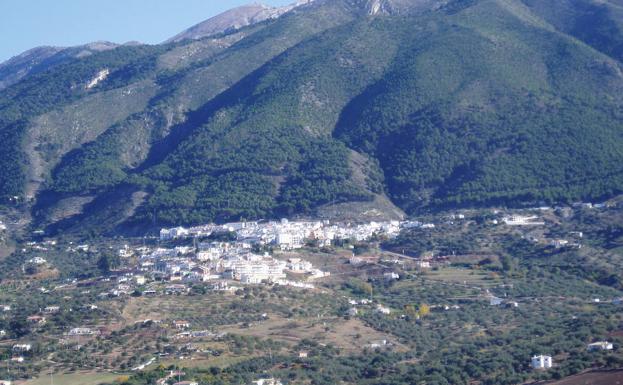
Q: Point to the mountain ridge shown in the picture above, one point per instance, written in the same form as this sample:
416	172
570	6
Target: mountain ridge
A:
41	58
234	19
424	104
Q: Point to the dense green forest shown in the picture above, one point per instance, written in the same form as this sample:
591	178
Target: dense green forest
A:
470	104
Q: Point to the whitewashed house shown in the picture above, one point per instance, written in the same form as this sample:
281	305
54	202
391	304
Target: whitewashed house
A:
81	332
600	345
382	309
297	265
37	261
51	309
21	348
541	362
267	381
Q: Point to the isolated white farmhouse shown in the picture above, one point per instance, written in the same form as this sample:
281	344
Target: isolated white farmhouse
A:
600	345
541	362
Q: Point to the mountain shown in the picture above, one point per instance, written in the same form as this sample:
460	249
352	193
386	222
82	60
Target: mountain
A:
337	108
42	58
233	19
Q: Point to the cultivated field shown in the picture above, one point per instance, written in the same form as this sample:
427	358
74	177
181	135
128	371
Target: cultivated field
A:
88	378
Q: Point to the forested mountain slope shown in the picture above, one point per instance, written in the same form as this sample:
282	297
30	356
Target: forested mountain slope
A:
430	103
40	59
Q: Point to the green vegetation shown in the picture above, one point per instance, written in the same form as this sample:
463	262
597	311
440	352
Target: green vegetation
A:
476	103
441	329
54	88
453	122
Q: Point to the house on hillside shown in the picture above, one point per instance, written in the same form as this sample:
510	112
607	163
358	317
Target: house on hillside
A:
541	362
600	345
559	243
140	280
52	309
382	309
81	332
376	344
267	381
21	348
421	264
37	261
36	320
518	220
181	324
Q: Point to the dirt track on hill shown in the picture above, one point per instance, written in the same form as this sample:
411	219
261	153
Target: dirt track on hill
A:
610	377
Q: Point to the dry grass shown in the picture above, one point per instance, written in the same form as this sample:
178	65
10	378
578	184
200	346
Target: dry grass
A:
464	277
349	335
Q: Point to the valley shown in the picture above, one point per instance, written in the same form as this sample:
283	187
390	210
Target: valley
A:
369	192
458	296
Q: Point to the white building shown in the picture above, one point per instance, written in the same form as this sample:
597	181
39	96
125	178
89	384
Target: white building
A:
51	309
140	280
20	348
559	243
376	344
289	240
38	261
600	345
422	264
541	362
254	269
267	381
382	309
81	332
518	220
297	265
210	254
176	232
317	273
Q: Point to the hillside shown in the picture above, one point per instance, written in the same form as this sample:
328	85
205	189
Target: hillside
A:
232	20
40	59
426	104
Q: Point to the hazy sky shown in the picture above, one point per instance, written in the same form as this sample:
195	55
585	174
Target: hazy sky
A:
25	24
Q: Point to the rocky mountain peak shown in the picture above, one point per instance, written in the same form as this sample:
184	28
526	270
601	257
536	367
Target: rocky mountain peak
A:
233	19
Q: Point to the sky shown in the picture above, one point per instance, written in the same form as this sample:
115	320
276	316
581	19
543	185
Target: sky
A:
26	24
